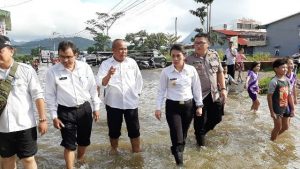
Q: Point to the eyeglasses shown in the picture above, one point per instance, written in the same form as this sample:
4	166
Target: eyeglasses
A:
200	43
66	57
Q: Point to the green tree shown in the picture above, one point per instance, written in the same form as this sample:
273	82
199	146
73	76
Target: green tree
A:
156	40
171	39
102	42
35	52
103	23
90	49
137	40
203	13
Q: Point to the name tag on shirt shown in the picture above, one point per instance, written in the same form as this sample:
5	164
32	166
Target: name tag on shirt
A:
62	78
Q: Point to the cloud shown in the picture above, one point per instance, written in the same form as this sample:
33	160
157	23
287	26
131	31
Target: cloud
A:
40	18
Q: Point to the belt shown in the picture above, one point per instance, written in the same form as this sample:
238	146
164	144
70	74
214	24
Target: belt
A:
74	107
181	102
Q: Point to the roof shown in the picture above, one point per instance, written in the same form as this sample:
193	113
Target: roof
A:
228	32
282	19
242	41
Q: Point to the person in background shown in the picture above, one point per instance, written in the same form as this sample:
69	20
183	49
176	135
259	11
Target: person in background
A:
180	84
83	59
231	53
292	77
18	126
240	57
280	100
214	94
122	81
252	85
73	102
228	79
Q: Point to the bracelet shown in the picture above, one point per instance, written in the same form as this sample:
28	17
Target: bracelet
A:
223	88
42	120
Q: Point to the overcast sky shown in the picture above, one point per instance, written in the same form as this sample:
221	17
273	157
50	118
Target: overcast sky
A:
38	19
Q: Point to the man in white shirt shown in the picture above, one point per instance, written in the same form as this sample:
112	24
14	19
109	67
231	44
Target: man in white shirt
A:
123	82
231	55
71	97
18	135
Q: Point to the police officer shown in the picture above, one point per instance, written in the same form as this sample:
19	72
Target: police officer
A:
211	75
18	128
72	99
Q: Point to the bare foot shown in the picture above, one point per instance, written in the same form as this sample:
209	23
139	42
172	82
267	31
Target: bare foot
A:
113	152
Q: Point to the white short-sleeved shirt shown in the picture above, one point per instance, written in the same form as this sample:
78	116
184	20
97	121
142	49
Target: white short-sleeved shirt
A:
125	86
70	88
179	86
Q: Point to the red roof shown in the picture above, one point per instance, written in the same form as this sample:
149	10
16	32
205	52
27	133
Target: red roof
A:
242	41
228	32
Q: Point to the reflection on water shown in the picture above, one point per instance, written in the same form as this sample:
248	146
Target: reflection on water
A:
241	140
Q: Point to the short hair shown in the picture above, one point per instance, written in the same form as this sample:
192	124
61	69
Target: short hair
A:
279	62
202	35
114	43
254	64
64	45
178	47
224	64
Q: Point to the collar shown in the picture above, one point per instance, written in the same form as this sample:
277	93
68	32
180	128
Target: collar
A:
78	65
173	69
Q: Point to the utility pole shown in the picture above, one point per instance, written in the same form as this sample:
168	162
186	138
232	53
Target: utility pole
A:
176	27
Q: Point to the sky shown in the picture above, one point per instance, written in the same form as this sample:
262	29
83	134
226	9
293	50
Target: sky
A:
39	19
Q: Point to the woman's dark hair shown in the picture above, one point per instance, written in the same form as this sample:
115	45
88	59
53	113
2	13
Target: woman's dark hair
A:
279	62
254	64
239	49
178	47
64	45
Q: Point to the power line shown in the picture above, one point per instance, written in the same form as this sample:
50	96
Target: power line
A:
116	5
126	5
17	4
127	9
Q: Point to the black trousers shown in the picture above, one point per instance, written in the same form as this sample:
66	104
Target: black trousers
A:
179	117
211	116
231	70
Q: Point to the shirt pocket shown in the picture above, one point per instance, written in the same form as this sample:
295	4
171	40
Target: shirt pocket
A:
214	66
19	86
84	81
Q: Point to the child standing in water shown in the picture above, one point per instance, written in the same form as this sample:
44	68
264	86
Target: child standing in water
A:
240	57
252	85
292	77
280	99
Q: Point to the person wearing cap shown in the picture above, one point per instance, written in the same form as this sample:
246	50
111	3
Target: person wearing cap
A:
73	102
18	126
231	53
210	71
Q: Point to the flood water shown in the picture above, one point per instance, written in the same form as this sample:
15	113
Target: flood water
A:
240	141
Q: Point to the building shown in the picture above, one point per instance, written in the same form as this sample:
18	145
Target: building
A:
5	22
246	31
283	36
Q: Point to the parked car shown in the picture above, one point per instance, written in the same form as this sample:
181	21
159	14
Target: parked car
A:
153	57
102	55
91	59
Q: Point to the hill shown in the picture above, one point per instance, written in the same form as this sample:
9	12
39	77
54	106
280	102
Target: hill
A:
50	44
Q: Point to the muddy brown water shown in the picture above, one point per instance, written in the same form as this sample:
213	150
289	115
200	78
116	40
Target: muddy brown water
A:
240	141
